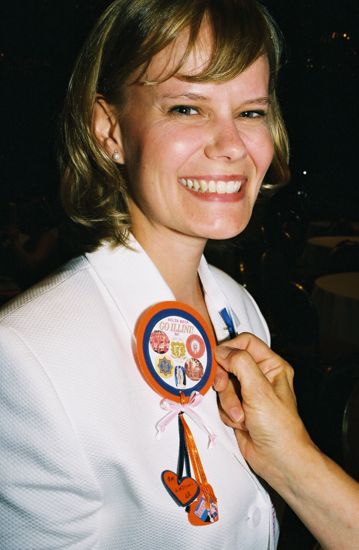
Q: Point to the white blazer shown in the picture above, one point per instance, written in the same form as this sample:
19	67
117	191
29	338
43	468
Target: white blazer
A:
80	465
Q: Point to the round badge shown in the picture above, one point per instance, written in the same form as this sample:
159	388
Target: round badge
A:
175	350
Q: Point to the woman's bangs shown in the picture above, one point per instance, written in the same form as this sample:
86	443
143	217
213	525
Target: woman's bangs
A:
228	59
236	43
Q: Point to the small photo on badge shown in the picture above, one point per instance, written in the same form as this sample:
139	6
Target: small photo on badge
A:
180	376
159	341
195	346
194	369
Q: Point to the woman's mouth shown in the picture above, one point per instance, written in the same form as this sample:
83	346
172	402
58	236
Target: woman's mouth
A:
216	186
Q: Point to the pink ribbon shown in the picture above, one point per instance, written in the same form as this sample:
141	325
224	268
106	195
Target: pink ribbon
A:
176	408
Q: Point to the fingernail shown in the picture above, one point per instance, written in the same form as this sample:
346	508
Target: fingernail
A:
236	414
217	380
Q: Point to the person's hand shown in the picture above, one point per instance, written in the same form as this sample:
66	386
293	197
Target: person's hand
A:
273	440
259	402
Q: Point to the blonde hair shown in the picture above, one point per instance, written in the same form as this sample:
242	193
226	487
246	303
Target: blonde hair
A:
122	43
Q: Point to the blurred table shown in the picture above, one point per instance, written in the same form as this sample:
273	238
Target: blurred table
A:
331	241
318	248
336	298
328	227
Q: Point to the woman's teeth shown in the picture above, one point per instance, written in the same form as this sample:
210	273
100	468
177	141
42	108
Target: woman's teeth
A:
211	186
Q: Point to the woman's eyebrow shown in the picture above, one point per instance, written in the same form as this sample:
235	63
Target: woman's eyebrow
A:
191	96
259	100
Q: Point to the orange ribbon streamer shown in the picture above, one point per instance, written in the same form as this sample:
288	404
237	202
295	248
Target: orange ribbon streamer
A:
196	462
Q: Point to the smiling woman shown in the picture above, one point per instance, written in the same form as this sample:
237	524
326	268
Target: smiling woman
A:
171	123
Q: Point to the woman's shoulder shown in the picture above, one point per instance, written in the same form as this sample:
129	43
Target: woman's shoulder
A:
61	286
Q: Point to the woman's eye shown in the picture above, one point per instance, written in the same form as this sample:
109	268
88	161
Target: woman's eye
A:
253	114
184	110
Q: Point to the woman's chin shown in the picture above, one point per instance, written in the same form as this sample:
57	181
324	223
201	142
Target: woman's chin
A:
225	232
224	224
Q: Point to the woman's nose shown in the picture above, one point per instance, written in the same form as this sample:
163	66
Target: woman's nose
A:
225	142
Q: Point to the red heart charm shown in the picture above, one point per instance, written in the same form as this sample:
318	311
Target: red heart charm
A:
183	491
202	511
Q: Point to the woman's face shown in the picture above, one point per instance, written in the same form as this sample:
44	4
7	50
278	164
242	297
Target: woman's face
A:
196	153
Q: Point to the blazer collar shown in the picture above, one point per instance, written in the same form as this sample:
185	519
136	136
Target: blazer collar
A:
134	283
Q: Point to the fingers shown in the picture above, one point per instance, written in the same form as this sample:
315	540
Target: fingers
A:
262	354
259	370
241	364
254	349
228	421
251	343
227	382
221	379
260	386
229	403
231	406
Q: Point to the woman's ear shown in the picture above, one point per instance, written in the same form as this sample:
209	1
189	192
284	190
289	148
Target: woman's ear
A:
106	130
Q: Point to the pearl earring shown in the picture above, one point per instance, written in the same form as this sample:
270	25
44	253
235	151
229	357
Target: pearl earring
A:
116	157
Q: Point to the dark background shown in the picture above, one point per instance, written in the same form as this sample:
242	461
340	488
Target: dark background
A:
319	95
318	91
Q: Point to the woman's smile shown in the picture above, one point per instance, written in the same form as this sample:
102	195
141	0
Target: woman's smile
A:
215	187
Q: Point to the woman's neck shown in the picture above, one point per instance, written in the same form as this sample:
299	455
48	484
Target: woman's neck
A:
177	258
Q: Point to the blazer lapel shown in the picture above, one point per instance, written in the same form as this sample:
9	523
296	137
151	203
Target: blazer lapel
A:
135	284
131	278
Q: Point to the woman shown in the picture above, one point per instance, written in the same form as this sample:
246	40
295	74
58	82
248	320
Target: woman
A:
171	123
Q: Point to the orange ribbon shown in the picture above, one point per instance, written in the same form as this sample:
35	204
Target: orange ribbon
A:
196	462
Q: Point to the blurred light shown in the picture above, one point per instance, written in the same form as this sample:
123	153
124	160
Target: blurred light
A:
304	172
344	35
